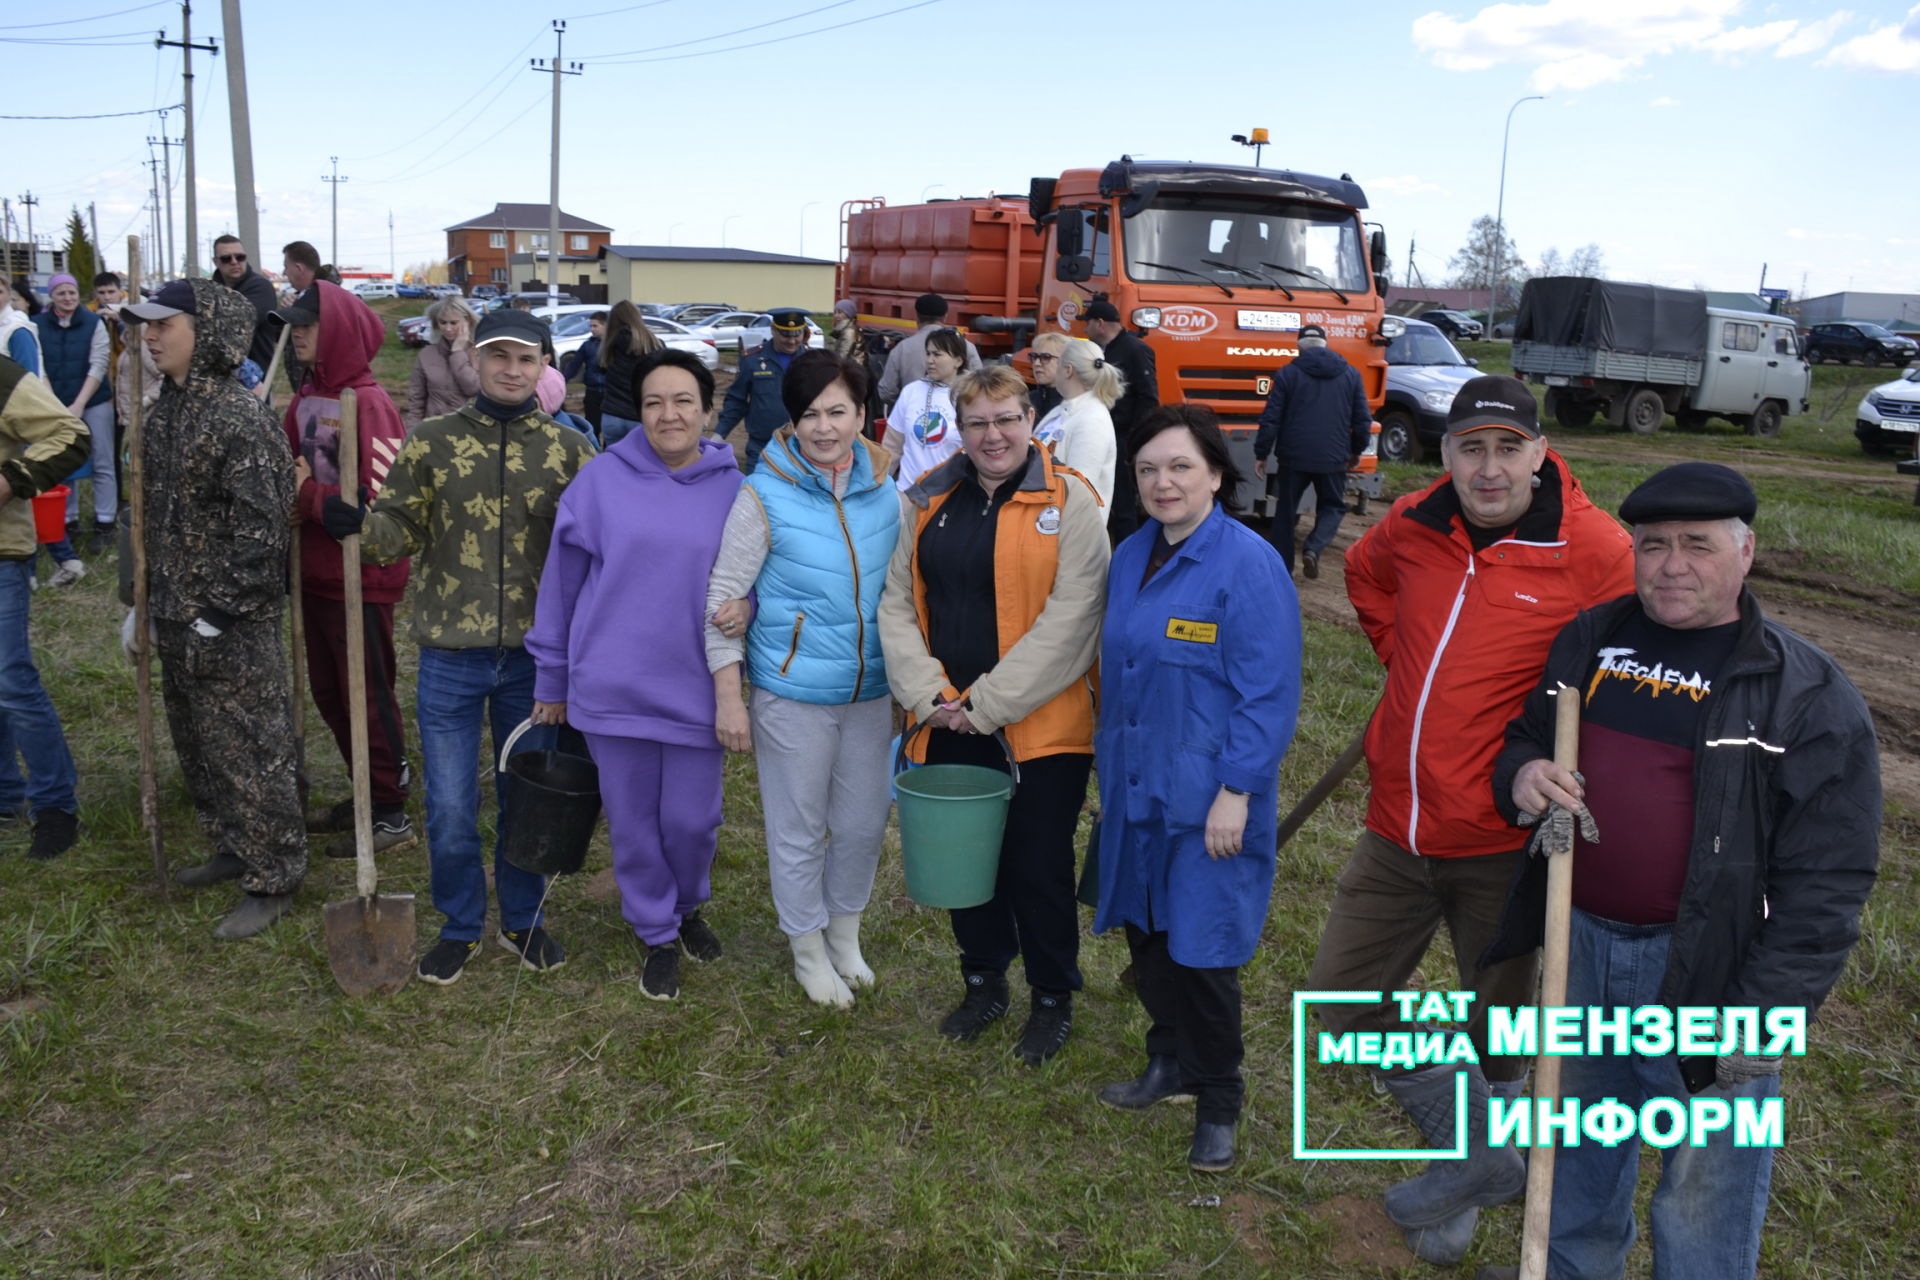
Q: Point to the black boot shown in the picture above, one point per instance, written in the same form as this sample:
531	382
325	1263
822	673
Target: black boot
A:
1160	1083
255	912
221	866
1212	1149
1487	1176
985	1003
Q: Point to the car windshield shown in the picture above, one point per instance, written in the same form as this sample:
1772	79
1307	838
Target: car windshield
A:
659	325
1422	345
1875	331
1245	242
568	326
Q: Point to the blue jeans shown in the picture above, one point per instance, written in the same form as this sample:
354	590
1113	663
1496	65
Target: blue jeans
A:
458	689
614	428
29	726
1710	1202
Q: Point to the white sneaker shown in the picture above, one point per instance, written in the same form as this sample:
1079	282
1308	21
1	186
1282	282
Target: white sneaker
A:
70	572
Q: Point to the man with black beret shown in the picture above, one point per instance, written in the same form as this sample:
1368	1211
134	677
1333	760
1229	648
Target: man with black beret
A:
1730	770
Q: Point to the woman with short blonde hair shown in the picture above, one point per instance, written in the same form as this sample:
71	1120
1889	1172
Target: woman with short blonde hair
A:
1079	430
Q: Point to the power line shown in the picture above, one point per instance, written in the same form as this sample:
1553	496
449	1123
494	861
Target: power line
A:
105	40
511	64
72	22
651	4
759	26
408	177
735	48
109	115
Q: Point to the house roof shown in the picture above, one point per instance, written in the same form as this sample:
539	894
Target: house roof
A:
694	253
526	217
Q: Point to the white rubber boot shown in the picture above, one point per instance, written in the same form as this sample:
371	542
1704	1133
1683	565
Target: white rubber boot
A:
815	975
843	948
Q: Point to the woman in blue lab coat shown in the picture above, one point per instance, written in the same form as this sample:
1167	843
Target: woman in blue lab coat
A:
1200	676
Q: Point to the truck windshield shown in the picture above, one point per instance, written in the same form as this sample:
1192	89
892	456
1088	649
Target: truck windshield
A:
1422	344
1242	239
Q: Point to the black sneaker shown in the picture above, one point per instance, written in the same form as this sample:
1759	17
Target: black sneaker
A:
54	831
660	979
335	817
1310	563
445	960
986	1003
699	939
537	950
1047	1026
390	831
106	537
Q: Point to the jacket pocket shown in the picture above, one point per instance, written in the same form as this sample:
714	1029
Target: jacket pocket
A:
793	646
1190	637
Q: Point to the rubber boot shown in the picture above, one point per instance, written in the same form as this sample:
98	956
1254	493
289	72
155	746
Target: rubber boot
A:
221	866
255	912
1445	1245
1159	1083
843	949
815	974
1487	1176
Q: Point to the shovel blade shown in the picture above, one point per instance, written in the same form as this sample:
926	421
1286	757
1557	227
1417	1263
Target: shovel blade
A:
370	943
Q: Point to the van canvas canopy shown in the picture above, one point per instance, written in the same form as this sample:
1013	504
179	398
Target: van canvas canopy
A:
1640	319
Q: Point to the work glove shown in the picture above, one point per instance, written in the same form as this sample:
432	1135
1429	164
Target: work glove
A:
1734	1070
1555	832
130	642
341	520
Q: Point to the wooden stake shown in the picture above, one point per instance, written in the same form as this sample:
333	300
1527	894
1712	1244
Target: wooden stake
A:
142	615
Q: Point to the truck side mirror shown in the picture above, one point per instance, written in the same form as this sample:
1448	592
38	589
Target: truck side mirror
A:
1072	262
1377	246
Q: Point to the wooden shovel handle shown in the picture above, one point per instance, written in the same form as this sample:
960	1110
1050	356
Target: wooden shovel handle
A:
365	879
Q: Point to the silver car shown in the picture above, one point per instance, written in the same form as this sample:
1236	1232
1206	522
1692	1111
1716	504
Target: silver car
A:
571	331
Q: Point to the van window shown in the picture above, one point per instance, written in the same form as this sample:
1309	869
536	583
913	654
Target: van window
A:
1783	343
1737	336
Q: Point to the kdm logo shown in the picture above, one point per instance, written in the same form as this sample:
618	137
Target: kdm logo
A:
1187	322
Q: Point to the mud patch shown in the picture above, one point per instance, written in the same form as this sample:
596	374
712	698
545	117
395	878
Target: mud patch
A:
1247	1214
1363	1235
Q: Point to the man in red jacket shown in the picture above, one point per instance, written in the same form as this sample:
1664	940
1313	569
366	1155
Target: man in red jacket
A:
1461	588
335	336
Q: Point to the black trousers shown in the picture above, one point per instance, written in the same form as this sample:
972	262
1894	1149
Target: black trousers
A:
1196	1019
1124	517
590	402
1032	912
1329	492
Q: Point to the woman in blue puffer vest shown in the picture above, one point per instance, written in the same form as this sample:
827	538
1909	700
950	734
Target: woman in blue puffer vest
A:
810	535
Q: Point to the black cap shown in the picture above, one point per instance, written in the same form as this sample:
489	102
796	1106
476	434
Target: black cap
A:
1101	310
789	319
1691	491
1494	400
304	309
175	299
509	325
930	306
1312	331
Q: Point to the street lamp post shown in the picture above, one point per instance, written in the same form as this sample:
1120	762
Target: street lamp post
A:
1500	213
723	227
931	186
803	225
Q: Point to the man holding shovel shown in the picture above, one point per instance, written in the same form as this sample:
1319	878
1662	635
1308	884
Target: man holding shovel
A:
1731	771
219	484
1461	589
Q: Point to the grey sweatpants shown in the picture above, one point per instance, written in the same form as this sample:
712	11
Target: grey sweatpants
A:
825	788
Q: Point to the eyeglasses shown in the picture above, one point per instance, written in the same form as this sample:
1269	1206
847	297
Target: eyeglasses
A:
232	257
1005	422
1041	357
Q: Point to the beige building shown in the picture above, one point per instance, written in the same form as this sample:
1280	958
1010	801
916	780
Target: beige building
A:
745	278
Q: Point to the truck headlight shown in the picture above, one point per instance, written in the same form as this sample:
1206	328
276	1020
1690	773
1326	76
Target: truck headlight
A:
1392	326
1439	400
1145	317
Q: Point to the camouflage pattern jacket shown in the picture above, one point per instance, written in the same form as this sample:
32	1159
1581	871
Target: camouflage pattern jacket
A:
219	479
474	499
40	443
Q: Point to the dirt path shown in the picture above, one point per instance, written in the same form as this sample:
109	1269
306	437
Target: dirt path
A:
1868	471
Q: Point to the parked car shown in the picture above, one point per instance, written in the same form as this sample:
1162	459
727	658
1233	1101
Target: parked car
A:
696	312
1424	373
486	291
410	290
1849	340
443	291
724	328
1888	419
416	331
1457	325
571	330
376	289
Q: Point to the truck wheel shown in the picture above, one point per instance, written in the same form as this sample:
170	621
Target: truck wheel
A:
1569	412
1645	411
1765	420
1399	442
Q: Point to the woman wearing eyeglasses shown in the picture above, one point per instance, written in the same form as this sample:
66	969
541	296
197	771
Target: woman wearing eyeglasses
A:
990	623
1079	430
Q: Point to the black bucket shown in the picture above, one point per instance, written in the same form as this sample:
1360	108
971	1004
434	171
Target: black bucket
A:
556	804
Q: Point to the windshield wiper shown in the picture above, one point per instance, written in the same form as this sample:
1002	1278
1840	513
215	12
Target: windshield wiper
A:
1308	275
1269	281
1188	271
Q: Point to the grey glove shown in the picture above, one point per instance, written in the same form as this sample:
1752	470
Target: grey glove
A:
129	638
1736	1069
1555	832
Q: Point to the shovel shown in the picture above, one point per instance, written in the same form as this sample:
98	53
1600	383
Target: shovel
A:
142	615
369	937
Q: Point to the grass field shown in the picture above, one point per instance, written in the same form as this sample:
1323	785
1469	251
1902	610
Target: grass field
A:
178	1108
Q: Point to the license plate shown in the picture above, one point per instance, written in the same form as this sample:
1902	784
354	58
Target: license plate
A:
1270	320
1556	379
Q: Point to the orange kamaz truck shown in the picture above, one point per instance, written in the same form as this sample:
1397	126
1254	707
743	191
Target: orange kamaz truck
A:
1216	266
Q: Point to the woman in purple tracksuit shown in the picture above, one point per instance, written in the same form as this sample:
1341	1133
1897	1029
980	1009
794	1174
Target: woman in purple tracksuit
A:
618	645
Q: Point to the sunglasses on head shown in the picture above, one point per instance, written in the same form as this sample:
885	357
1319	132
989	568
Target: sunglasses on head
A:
233	257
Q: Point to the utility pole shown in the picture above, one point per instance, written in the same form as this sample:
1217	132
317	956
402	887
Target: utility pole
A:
558	68
166	146
99	250
244	207
33	248
335	182
393	266
186	46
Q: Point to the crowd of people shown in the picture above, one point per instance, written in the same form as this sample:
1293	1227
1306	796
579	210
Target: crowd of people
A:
983	578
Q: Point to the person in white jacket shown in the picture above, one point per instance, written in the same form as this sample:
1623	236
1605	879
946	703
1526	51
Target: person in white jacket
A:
1079	430
923	418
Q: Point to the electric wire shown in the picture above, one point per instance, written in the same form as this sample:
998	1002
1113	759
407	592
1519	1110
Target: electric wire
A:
755	44
681	44
511	64
422	173
71	22
108	115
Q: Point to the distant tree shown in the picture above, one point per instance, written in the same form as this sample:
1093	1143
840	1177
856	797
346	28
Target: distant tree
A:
1587	261
1473	267
1552	264
82	260
432	272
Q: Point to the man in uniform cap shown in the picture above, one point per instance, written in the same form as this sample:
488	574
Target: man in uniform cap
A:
1730	772
907	362
754	395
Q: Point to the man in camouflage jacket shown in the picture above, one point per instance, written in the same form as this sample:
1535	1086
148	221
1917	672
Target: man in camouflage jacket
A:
219	487
472	497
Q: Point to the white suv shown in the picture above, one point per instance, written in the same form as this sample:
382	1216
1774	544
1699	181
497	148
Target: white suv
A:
1888	419
375	289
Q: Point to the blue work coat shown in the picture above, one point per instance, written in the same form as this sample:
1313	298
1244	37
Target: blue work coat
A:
1200	687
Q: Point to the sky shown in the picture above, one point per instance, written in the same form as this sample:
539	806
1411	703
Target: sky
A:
1692	140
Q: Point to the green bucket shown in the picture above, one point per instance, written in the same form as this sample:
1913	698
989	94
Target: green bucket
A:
952	818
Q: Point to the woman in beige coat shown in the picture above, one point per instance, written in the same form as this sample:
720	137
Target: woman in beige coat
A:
444	377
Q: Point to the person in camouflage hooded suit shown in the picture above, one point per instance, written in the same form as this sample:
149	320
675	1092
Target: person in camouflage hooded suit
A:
219	489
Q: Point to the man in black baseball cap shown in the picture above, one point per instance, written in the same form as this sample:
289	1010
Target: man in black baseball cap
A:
1140	396
907	362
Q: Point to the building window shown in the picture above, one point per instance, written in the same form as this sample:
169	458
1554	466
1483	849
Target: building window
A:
579	244
496	240
499	275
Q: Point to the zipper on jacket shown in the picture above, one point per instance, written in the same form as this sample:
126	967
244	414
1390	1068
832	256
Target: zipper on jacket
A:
859	613
1420	709
793	648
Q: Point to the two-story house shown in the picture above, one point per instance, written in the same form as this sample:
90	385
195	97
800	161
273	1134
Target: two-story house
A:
508	247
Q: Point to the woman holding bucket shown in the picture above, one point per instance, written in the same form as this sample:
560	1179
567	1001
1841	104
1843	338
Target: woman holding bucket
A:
810	534
1200	660
990	622
616	641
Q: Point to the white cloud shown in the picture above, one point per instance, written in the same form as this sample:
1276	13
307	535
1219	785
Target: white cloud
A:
1802	233
1407	185
1664	101
1576	44
1888	48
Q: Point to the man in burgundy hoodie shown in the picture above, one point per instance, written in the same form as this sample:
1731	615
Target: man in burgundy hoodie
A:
335	336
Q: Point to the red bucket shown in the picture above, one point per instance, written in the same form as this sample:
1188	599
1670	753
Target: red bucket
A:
50	514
